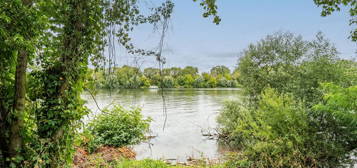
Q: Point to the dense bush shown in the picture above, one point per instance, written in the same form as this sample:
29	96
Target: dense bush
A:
118	127
282	132
300	109
335	121
274	133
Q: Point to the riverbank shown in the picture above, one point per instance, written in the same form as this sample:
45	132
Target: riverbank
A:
125	157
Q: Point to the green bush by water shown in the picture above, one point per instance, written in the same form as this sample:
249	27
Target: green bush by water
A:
300	108
282	132
271	134
117	127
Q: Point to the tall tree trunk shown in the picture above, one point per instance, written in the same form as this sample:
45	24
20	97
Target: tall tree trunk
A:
19	98
70	59
19	104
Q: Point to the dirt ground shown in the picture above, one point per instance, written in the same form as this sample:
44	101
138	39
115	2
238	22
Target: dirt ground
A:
103	155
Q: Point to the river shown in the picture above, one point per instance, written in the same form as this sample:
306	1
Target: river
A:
189	113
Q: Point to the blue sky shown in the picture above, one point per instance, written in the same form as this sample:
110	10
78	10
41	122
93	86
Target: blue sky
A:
196	41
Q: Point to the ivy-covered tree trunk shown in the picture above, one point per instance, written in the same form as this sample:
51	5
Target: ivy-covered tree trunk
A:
19	103
62	107
19	98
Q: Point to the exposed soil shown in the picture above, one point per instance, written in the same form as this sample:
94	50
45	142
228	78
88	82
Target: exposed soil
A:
103	155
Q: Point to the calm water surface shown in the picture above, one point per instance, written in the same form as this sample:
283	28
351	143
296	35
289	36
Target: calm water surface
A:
189	112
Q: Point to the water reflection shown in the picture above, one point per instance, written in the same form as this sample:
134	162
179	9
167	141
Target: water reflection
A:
189	111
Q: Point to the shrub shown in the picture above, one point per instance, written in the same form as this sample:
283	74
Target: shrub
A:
335	120
118	127
281	132
270	135
232	115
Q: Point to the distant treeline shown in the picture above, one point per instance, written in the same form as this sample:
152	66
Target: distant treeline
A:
128	77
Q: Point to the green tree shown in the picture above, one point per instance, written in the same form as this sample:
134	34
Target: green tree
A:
185	81
287	63
330	6
168	82
199	82
153	74
189	70
21	27
127	77
174	72
220	70
144	82
349	73
270	62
